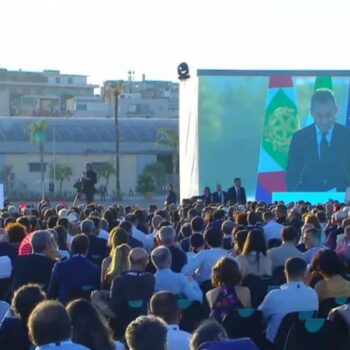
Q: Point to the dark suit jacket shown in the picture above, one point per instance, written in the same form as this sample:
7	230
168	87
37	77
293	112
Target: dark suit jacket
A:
232	195
14	334
216	198
171	198
32	268
70	276
97	249
130	286
305	171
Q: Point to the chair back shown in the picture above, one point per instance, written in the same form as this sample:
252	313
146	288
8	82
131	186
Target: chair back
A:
313	334
328	304
258	286
244	323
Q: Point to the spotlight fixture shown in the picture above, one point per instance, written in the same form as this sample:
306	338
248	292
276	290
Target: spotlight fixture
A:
183	71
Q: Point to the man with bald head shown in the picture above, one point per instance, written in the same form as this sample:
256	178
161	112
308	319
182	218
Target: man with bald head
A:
132	290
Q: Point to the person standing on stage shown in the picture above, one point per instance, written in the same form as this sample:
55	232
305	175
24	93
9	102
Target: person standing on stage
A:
89	182
236	194
171	197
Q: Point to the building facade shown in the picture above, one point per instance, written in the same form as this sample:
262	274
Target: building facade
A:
75	142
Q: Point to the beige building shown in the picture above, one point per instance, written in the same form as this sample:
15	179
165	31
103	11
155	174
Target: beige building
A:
75	142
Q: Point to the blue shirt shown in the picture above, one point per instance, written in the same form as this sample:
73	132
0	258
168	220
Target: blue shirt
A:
319	137
177	283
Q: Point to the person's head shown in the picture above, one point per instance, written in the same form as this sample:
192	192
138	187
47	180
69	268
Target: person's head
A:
89	327
61	237
131	218
24	221
240	236
97	223
213	237
119	262
127	226
147	333
167	235
161	258
87	226
321	216
289	234
138	259
197	224
324	109
206	191
218	187
252	218
328	263
268	216
208	330
197	242
255	242
237	182
226	273
313	220
49	323
43	242
169	187
164	305
281	211
295	269
88	167
80	244
227	227
242	219
117	237
192	213
25	299
312	238
186	230
16	232
156	221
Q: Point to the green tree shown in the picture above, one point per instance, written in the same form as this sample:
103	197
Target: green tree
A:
37	132
170	138
63	173
105	170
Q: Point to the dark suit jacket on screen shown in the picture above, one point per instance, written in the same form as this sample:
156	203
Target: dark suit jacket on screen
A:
305	172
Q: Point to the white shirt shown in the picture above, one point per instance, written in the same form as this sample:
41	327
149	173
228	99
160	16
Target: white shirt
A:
272	230
178	339
150	240
292	297
309	254
202	264
103	234
64	345
329	135
139	235
177	283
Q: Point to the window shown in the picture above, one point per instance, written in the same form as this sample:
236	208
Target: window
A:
81	107
58	80
35	167
70	80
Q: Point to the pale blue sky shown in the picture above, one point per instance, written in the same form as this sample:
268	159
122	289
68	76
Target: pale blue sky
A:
105	38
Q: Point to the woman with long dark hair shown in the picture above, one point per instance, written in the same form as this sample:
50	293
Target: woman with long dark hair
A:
254	260
89	327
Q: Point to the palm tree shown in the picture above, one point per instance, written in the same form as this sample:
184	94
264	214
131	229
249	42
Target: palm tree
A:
63	173
105	170
170	138
37	132
112	91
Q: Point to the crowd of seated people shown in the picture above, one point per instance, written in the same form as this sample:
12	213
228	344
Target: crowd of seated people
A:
193	276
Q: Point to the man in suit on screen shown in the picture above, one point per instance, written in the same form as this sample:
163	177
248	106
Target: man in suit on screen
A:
319	154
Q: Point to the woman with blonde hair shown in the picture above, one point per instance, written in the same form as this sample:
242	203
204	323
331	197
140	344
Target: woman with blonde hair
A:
119	263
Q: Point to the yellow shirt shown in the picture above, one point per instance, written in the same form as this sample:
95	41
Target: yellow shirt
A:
334	287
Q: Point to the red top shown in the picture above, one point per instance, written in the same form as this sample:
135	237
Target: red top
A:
26	247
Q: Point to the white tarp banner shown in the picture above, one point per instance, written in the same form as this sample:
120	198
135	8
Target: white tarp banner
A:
188	134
